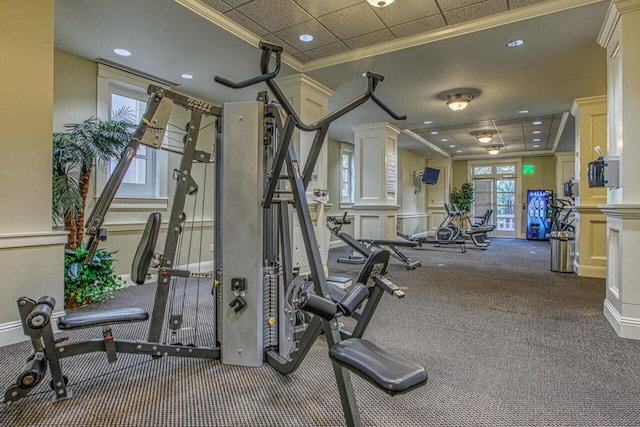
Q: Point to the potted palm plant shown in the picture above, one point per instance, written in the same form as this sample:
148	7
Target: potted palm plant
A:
75	153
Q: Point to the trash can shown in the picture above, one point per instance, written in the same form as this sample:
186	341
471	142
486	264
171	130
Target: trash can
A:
563	244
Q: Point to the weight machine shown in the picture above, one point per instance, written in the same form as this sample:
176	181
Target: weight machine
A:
259	303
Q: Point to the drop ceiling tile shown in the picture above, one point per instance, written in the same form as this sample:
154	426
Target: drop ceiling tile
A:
475	11
247	23
420	26
514	4
218	5
318	8
272	38
332	49
352	22
456	4
302	57
274	15
236	3
321	36
369	39
404	11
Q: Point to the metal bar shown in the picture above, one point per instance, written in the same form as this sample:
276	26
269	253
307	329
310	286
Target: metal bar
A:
188	102
175	228
278	161
285	244
314	152
138	347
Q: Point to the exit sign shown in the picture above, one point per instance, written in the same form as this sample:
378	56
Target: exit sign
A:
528	169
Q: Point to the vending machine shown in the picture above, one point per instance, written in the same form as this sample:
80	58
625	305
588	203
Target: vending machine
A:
539	214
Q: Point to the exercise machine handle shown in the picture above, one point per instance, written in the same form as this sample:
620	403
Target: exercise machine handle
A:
268	77
267	50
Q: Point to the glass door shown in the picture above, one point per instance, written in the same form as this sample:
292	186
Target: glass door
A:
483	198
505	208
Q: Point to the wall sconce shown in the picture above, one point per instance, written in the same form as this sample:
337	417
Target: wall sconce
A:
493	150
458	102
483	136
380	3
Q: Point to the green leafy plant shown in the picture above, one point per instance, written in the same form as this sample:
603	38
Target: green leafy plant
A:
75	152
87	282
463	196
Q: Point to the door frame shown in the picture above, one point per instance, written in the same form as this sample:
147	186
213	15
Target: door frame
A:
517	176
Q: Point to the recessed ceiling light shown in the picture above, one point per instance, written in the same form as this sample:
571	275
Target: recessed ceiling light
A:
537	123
122	52
523	111
536	146
380	3
187	76
435	132
452	146
428	122
536	132
536	139
515	43
305	38
458	151
444	140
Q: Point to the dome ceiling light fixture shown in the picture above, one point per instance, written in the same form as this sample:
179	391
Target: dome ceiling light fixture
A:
493	150
484	136
458	102
380	3
457	99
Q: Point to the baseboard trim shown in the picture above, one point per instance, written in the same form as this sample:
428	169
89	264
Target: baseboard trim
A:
591	270
11	332
625	327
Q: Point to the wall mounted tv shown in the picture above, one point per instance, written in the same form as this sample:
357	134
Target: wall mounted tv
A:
430	175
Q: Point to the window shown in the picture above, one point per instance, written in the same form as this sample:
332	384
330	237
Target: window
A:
505	169
482	170
140	178
145	184
346	175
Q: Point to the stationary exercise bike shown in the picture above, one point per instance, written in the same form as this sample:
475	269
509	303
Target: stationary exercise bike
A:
448	230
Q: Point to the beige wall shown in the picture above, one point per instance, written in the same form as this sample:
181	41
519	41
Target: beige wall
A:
26	31
458	174
412	215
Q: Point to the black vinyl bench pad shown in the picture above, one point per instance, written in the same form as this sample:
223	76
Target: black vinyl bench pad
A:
382	369
102	318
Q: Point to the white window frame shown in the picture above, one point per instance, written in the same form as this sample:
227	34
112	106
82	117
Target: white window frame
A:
348	150
111	80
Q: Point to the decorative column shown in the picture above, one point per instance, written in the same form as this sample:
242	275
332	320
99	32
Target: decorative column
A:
31	254
376	183
590	224
310	100
619	34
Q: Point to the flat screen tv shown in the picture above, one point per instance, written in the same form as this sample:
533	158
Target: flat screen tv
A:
430	175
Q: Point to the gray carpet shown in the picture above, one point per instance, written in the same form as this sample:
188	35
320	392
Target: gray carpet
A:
505	341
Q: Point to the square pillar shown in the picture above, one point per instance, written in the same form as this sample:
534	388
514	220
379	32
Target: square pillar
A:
619	34
376	181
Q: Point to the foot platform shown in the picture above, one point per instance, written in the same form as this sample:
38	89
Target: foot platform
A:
380	368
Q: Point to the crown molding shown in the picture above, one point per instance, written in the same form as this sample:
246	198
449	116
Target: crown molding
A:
583	102
623	211
426	143
305	81
377	126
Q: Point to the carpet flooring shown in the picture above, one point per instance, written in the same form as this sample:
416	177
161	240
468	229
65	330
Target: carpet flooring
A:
506	342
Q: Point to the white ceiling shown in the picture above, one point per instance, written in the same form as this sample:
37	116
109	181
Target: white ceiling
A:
559	62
